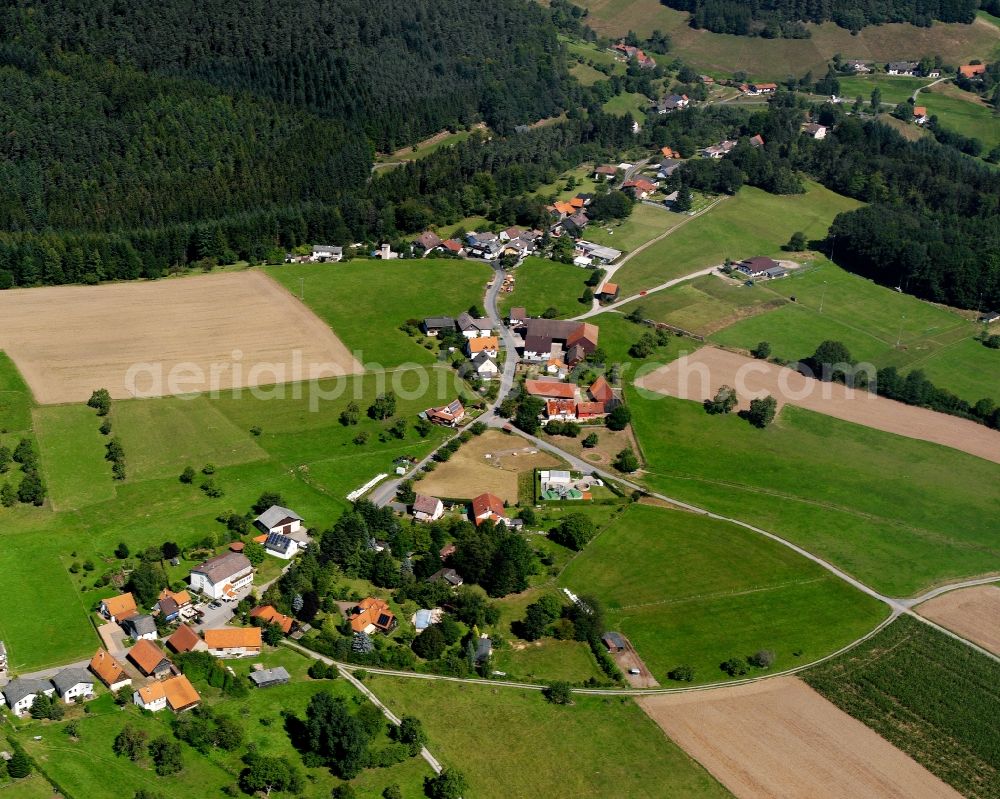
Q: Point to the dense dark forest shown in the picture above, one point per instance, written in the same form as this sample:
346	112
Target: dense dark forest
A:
776	18
396	70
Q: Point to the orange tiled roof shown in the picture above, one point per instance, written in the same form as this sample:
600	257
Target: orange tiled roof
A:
146	655
372	611
152	692
550	388
483	343
121	606
180	693
234	637
108	669
269	614
184	639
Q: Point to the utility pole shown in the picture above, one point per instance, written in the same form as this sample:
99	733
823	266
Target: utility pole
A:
822	297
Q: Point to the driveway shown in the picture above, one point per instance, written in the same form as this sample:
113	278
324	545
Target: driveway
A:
113	638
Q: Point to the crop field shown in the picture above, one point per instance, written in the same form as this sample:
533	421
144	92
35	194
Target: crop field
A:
691	590
809	478
588	750
751	223
928	694
541	284
721	55
168	337
365	301
894	88
963	112
802	744
490	462
698	377
869	319
643	224
973	613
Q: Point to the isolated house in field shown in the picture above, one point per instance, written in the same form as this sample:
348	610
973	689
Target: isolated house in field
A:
447	575
433	325
223	576
268	614
920	114
151	697
427	241
762	88
281	546
989	317
814	131
150	659
484	366
427	508
598	252
326	253
185	639
20	693
758	266
614	642
372	615
972	71
268	678
140	627
109	670
608	292
277	519
861	67
448	415
234	642
118	608
74	683
488	507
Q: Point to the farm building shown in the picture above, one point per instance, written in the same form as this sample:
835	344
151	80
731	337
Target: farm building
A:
277	519
184	639
326	253
598	252
571	341
234	642
223	576
550	389
608	293
268	678
760	266
614	641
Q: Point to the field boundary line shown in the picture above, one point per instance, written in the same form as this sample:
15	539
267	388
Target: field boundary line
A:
718	595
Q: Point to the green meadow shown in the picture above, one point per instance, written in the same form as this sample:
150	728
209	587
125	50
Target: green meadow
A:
690	590
963	112
894	88
751	223
514	745
643	224
899	514
541	284
366	301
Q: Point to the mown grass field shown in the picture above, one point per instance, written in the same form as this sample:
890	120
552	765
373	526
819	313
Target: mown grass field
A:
894	88
365	301
751	223
512	744
721	55
632	104
899	514
586	74
870	319
963	112
931	696
541	284
691	590
72	453
644	223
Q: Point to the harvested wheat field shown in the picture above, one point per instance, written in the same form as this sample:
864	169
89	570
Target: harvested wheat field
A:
973	613
490	462
699	375
69	340
779	737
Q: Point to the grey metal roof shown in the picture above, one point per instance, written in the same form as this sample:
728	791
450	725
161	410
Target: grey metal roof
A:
68	678
438	322
275	515
614	639
16	690
278	542
270	676
141	625
222	567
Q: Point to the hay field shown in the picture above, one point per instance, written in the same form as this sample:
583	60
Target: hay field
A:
973	613
699	375
69	340
470	472
780	738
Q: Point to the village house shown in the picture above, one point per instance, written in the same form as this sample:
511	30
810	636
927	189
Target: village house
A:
109	670
598	252
756	141
484	245
972	71
425	617
672	102
556	367
140	627
234	642
567	340
448	415
268	614
518	317
861	67
488	507
223	576
427	508
372	615
173	604
74	684
281	546
471	327
118	608
484	366
453	246
590	410
920	115
608	292
667	168
324	253
719	150
902	68
277	519
575	223
814	130
428	241
642	59
177	693
932	72
385	253
488	344
600	391
150	659
20	693
640	188
447	575
433	325
151	697
761	267
550	389
184	639
560	410
268	678
605	172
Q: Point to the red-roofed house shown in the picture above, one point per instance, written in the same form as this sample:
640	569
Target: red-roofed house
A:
488	506
920	114
550	389
564	410
605	172
608	292
372	615
454	247
600	391
640	188
972	70
590	410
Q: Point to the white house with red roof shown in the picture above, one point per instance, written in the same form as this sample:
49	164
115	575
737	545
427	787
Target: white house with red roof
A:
488	507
